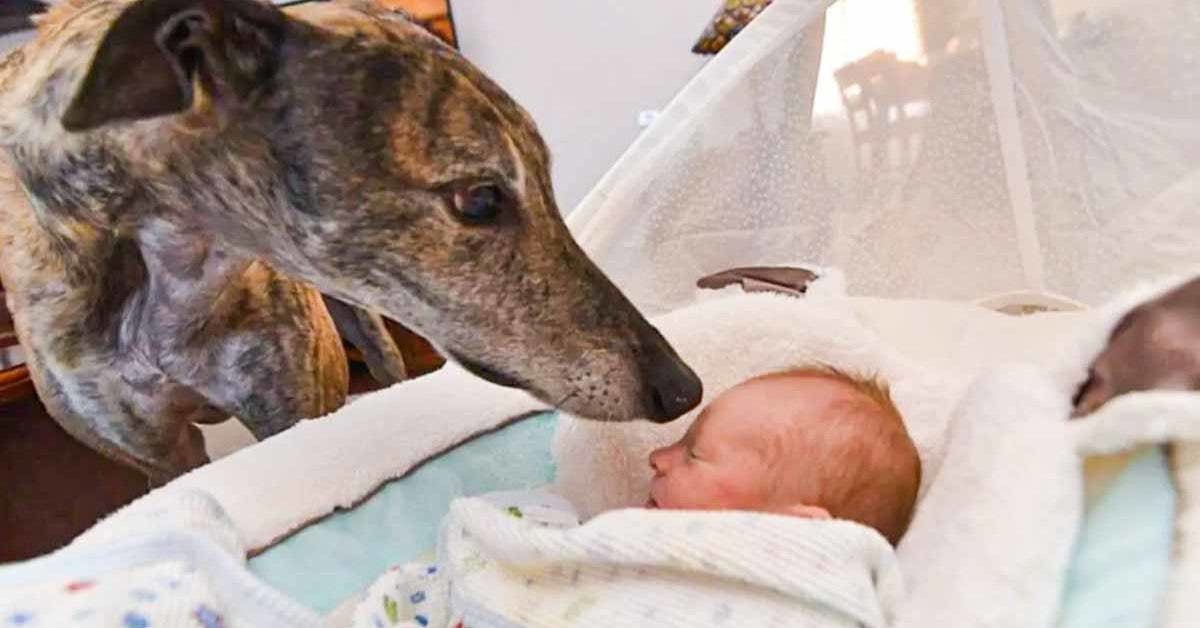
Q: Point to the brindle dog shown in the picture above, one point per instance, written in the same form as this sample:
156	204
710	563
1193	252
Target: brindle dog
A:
192	175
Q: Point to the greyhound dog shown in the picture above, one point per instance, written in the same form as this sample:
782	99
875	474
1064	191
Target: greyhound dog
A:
190	176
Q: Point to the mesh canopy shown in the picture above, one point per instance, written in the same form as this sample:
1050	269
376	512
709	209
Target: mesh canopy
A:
974	147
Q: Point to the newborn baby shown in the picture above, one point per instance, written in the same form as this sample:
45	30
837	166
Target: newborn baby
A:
808	444
811	442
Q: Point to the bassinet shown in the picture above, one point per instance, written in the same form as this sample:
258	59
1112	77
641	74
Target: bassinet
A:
1027	152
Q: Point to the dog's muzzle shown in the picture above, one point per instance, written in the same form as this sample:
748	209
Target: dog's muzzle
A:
488	374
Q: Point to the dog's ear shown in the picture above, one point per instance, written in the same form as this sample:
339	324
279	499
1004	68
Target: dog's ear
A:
158	52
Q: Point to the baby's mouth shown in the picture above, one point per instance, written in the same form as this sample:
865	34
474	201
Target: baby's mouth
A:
650	503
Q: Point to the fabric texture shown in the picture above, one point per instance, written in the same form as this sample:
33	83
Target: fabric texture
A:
418	593
172	562
332	561
520	560
991	540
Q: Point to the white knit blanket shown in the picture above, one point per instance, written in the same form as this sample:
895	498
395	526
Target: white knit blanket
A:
504	567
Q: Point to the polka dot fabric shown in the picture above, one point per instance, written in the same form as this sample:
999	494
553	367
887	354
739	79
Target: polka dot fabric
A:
1053	149
169	594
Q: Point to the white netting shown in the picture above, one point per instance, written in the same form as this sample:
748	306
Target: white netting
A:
1048	145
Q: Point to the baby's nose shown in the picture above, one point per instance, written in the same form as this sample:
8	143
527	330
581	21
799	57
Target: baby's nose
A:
658	459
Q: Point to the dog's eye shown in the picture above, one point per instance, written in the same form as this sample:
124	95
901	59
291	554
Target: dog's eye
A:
480	203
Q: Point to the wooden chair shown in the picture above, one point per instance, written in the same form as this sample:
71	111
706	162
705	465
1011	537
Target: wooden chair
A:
877	92
15	383
434	15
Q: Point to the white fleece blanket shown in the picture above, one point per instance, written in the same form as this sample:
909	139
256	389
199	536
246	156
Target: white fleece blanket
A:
508	566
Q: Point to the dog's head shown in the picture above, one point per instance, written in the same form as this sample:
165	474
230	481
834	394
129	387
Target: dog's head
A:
1155	346
351	149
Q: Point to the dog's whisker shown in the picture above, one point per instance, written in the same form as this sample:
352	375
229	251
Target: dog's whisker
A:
559	404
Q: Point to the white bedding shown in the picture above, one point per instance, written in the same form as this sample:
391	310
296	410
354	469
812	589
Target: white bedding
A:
930	351
1003	488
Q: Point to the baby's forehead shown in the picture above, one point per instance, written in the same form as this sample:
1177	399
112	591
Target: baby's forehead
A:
765	406
776	390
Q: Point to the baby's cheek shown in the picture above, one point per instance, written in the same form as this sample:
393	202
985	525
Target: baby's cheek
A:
690	491
741	488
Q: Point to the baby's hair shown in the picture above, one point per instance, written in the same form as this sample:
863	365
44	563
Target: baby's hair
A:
872	387
869	470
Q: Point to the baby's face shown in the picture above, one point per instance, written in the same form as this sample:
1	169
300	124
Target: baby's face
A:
728	458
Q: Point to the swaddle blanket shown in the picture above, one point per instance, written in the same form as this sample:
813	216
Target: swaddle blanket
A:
507	565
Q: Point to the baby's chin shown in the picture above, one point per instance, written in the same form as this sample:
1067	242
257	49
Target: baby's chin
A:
653	504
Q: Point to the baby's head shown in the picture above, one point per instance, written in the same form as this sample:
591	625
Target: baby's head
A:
806	442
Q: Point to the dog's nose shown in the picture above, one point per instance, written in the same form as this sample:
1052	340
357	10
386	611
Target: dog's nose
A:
674	395
670	386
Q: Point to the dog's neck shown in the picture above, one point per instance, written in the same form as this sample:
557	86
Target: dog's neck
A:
187	273
141	271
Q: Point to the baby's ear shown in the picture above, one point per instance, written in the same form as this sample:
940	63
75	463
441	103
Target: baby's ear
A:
807	512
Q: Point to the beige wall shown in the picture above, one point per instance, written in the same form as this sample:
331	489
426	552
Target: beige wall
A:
12	40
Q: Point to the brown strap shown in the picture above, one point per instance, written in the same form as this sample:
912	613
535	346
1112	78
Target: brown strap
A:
784	279
8	335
